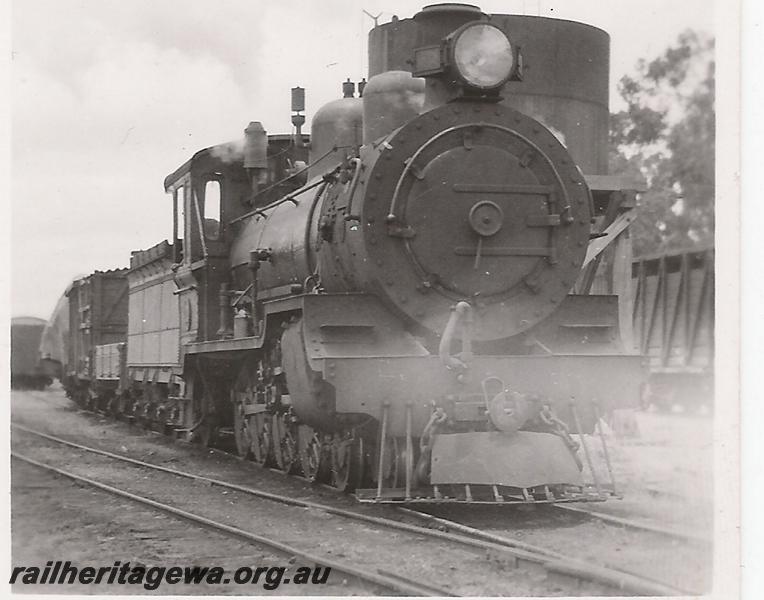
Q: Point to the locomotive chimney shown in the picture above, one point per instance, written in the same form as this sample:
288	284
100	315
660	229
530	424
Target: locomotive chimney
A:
436	21
256	154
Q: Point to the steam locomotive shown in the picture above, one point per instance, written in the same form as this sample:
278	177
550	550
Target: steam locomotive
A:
401	304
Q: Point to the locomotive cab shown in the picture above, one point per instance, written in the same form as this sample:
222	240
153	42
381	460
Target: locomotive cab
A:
176	287
210	193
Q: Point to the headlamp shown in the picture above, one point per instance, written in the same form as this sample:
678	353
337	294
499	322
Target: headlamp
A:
478	56
482	56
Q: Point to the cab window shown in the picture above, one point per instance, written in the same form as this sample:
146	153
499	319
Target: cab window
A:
179	222
212	207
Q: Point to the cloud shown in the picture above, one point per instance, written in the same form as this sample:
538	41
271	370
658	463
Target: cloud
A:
93	142
68	36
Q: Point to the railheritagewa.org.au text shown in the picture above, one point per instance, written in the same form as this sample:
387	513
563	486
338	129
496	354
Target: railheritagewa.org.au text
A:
62	572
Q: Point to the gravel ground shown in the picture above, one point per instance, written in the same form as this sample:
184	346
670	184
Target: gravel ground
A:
685	565
464	570
664	474
54	518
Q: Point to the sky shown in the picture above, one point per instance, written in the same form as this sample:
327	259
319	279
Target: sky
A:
108	96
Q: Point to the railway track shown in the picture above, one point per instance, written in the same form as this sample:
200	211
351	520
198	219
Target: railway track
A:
636	524
632	524
560	573
460	527
394	583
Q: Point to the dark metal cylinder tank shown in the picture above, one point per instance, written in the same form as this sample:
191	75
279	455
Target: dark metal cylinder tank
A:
337	124
565	83
390	100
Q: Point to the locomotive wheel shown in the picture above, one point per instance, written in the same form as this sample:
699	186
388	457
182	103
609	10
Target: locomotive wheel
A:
311	453
260	432
346	462
139	411
241	432
113	406
394	466
205	433
285	451
200	421
125	405
395	471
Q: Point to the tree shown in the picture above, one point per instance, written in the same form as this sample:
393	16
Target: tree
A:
666	133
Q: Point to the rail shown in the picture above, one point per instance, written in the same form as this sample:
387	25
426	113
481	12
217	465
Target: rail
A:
397	583
520	552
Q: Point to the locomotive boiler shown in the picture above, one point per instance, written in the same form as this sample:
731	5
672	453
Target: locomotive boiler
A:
402	305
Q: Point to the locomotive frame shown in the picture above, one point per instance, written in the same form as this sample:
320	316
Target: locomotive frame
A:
317	320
